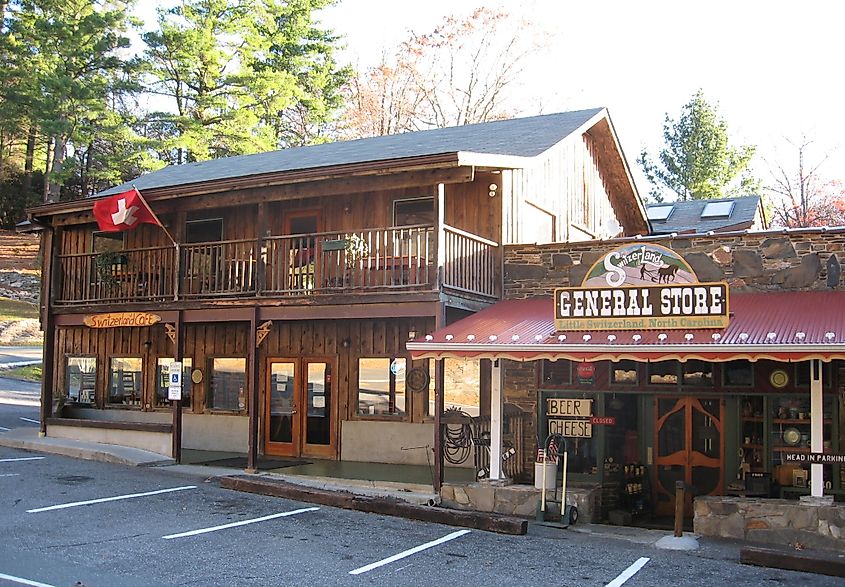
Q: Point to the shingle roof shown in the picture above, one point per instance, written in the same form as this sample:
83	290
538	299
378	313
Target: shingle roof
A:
686	216
520	137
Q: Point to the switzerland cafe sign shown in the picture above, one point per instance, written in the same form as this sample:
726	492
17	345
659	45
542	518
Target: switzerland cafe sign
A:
639	287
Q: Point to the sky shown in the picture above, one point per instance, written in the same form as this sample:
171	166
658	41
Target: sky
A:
773	68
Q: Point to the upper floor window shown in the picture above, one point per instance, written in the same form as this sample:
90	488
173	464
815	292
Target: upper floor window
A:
107	242
204	231
413	212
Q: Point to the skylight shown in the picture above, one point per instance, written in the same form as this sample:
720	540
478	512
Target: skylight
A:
717	209
659	212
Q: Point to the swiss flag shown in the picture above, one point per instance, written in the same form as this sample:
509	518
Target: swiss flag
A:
123	211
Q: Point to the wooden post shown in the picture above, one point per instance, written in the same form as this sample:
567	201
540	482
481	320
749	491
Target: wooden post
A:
178	352
496	421
816	426
260	244
252	390
438	426
49	284
679	508
440	239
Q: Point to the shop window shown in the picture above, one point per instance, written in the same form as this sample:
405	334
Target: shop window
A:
663	373
461	381
698	373
802	374
80	379
381	386
624	373
555	374
790	433
570	417
622	440
163	381
737	373
126	377
227	384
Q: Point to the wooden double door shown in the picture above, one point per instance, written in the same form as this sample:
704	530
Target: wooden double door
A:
300	407
689	447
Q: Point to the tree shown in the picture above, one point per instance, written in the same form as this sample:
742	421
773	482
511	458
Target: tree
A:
800	196
696	161
242	77
64	72
458	73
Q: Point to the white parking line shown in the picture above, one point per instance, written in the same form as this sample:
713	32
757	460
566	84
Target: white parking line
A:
104	499
22	581
10	475
241	523
15	460
30	420
628	573
409	552
4	429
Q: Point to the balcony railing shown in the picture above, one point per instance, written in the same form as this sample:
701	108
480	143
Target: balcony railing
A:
387	259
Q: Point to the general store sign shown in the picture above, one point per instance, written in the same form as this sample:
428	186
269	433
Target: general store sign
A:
121	319
570	417
641	287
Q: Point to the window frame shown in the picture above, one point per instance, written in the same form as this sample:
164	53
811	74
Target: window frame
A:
726	384
611	370
413	199
197	221
107	403
208	380
394	417
65	394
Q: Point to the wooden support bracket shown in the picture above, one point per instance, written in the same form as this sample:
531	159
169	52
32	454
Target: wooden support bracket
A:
170	330
262	332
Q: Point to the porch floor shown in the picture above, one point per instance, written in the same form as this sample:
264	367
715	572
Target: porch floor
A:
359	471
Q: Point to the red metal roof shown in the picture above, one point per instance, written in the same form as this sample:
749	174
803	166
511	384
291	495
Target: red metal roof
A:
786	326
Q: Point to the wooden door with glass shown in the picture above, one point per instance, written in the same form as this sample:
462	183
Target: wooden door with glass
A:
300	408
689	447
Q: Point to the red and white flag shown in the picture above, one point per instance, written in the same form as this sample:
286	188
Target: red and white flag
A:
124	211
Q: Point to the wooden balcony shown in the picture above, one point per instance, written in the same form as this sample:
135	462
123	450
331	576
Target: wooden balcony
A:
306	265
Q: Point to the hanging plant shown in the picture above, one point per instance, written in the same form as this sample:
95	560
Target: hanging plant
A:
356	249
105	263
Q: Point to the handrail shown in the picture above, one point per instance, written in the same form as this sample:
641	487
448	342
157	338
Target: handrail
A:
470	236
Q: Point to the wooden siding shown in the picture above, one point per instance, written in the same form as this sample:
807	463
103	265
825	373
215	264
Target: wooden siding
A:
306	338
568	183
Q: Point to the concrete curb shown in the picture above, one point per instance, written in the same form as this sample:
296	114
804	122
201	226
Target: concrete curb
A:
28	439
387	506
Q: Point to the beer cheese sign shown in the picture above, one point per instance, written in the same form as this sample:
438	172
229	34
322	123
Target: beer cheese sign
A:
640	287
570	417
121	319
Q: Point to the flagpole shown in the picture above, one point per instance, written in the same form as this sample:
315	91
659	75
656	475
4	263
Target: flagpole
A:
155	216
170	236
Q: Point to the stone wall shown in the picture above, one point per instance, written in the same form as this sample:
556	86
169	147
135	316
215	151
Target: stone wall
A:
749	261
775	521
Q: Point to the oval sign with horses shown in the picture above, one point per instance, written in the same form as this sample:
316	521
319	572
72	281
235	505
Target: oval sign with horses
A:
641	287
639	264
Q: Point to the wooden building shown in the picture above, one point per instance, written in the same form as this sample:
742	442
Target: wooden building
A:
295	279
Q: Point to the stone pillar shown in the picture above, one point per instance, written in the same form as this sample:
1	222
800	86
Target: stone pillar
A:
816	426
496	421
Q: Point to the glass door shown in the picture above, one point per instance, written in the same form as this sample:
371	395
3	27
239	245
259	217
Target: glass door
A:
299	408
281	424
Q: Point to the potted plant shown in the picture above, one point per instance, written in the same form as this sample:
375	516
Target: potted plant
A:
105	263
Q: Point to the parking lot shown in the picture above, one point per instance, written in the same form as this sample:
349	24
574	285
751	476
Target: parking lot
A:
72	522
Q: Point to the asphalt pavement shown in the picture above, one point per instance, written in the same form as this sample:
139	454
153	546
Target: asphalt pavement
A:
164	527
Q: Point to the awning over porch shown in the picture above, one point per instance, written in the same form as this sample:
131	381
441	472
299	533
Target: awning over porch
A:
782	326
